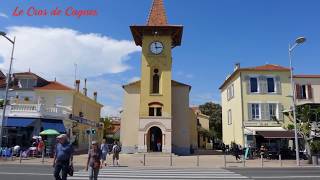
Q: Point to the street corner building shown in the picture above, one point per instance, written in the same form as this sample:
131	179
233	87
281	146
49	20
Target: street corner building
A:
156	115
253	101
36	104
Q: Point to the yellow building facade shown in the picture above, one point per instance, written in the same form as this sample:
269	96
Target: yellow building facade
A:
83	112
253	100
156	116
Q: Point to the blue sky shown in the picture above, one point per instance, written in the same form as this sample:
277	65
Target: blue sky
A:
216	35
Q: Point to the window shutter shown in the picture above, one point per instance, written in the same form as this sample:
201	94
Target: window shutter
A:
263	84
264	111
278	84
249	111
267	112
298	91
310	95
280	109
247	81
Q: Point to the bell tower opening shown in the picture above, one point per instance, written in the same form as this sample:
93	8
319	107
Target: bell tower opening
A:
156	82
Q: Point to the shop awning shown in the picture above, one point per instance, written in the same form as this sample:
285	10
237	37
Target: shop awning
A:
277	134
254	130
53	124
19	122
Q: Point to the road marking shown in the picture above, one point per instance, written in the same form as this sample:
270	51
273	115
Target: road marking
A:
31	174
283	177
154	174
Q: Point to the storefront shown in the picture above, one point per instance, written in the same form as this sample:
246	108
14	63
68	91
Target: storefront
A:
19	130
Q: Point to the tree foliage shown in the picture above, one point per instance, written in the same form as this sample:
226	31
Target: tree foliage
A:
106	125
214	111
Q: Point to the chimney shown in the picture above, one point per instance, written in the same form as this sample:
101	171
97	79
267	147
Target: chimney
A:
85	90
77	85
236	66
95	95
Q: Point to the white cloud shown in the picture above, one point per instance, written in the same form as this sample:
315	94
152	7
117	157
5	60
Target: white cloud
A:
52	52
110	111
3	15
133	79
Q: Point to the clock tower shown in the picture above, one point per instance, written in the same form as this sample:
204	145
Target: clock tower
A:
157	39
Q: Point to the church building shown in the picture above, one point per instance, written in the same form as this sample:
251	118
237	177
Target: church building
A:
156	115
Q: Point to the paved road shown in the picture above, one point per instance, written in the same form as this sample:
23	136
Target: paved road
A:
38	172
157	174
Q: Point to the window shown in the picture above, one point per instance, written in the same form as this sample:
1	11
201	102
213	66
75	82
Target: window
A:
253	84
27	83
156	82
271	85
273	111
151	111
230	92
159	111
59	101
255	110
303	92
229	117
155	111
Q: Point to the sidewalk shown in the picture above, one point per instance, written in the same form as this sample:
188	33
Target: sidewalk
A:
203	161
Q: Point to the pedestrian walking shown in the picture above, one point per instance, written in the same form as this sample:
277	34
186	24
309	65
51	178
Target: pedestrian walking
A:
237	152
94	161
105	150
63	157
116	149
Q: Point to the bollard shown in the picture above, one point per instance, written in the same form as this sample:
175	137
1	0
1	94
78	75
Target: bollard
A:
280	160
144	159
244	161
198	161
225	160
20	157
42	156
261	160
170	159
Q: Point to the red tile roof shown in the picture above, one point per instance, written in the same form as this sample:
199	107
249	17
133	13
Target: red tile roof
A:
307	76
266	67
54	85
157	15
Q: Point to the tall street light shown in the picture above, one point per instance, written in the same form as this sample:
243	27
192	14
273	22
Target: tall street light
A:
7	85
298	41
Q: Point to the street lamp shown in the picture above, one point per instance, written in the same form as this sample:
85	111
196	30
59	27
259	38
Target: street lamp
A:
7	85
298	41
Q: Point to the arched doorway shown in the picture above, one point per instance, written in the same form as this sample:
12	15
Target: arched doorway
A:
155	139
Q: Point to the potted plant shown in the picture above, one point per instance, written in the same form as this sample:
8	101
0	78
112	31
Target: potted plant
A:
315	150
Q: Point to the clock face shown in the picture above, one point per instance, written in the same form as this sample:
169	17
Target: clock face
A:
156	47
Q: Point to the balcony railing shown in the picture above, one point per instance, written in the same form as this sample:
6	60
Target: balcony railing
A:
38	110
263	123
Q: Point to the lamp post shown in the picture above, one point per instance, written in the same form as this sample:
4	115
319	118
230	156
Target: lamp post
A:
298	41
7	85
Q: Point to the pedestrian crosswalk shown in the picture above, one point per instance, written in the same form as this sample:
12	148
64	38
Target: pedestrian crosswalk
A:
120	173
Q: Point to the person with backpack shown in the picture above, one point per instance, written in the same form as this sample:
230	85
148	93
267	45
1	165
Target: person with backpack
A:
116	149
105	150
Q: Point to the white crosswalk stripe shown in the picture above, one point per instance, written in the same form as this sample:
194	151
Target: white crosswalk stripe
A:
160	174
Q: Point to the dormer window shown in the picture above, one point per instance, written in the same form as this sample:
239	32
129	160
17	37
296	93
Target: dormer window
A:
27	83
